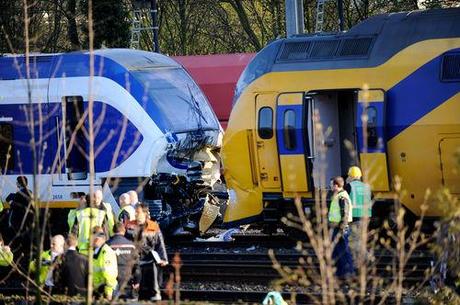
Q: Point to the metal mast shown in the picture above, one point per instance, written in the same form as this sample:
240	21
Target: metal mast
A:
145	19
294	17
319	16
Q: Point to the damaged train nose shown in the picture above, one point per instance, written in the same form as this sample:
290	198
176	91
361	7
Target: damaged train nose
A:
190	200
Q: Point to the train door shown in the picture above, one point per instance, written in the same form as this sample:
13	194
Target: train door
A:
71	145
291	145
370	130
331	117
326	144
267	155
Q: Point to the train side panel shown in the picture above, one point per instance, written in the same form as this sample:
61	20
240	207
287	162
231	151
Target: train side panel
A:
420	110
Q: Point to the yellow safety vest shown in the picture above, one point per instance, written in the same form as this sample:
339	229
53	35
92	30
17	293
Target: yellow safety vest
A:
46	261
84	219
110	217
334	209
6	257
105	269
71	218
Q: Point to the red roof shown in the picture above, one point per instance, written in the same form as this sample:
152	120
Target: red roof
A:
217	76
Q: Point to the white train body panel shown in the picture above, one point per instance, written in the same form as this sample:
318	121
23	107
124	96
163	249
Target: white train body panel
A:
136	134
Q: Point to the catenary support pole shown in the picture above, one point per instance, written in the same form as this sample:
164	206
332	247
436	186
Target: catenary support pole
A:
154	12
294	17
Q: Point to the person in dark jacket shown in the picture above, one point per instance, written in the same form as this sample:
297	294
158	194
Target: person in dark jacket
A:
72	275
148	239
129	274
21	215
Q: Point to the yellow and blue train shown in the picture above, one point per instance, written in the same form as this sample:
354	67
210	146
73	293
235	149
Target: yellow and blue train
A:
406	122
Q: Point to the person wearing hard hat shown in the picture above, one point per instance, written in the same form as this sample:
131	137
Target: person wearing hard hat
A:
361	200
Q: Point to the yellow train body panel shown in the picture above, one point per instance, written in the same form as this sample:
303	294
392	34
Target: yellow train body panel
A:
419	149
416	155
294	174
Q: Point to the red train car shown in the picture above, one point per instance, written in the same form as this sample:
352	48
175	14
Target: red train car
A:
217	76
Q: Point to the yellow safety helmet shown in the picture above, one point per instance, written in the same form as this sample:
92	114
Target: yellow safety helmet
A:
354	172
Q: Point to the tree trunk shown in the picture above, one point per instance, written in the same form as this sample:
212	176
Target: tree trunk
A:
244	20
183	26
72	30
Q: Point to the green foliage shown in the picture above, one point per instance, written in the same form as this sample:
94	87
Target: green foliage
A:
111	24
12	25
187	27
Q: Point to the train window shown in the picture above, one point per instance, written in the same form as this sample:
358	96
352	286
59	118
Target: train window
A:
76	163
290	142
451	67
6	146
265	126
372	136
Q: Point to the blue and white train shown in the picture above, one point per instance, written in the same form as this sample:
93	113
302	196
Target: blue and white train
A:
150	120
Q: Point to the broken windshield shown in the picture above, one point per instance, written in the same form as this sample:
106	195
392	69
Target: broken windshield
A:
179	99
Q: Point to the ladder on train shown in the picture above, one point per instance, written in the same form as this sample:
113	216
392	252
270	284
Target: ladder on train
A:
319	15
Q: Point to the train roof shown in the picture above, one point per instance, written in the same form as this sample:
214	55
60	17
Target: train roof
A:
78	63
369	43
137	59
128	58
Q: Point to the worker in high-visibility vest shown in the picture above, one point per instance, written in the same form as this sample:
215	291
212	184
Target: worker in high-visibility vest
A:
107	208
49	261
105	268
127	212
361	201
339	217
360	194
86	219
73	212
6	256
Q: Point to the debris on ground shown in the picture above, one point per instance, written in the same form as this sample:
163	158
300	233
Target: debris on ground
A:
225	236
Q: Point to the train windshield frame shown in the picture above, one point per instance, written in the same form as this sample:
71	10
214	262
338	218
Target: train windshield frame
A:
178	97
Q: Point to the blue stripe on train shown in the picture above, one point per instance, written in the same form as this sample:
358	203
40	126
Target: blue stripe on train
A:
417	95
105	140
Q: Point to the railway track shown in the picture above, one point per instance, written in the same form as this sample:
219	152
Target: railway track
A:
257	268
227	296
205	271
